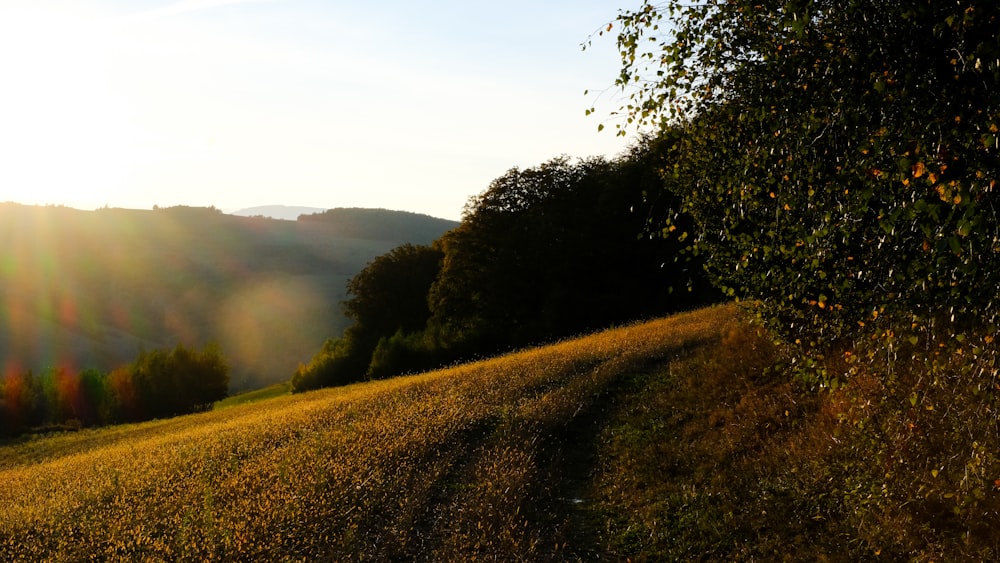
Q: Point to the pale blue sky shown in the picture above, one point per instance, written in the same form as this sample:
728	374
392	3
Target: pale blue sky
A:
237	103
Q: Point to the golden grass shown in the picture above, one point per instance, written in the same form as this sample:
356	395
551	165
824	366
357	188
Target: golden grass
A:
679	439
470	463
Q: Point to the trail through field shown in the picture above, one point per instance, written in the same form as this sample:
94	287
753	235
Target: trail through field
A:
491	460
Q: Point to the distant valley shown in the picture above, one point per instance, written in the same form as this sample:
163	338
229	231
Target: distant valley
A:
86	289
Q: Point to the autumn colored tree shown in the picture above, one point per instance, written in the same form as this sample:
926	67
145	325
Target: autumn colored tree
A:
21	402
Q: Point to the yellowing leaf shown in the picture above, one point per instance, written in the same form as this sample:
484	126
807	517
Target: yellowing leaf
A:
918	169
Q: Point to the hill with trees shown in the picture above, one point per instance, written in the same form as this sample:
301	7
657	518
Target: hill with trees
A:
91	289
544	253
381	224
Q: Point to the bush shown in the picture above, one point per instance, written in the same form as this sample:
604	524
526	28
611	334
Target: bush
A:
341	361
403	353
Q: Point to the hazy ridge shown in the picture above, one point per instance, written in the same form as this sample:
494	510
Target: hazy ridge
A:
90	288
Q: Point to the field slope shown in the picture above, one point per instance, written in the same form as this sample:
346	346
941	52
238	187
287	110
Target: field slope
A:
490	459
674	440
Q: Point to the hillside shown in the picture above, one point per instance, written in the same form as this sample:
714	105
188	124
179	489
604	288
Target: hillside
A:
90	288
489	459
673	440
382	224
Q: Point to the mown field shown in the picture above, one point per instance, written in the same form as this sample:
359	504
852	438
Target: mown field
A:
680	439
483	461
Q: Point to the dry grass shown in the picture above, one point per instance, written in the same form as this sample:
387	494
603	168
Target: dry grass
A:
675	440
724	455
468	463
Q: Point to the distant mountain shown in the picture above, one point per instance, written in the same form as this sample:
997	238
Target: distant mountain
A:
91	288
286	212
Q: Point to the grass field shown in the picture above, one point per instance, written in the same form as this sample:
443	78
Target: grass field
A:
269	392
675	440
488	460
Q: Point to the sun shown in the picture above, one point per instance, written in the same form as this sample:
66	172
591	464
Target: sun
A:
63	126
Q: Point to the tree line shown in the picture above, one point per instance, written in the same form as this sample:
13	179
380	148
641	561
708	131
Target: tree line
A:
545	252
159	383
836	164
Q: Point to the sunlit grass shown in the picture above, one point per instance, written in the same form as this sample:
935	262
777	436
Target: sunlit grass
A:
680	439
269	392
463	463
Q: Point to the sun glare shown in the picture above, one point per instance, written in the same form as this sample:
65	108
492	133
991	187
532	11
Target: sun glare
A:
63	128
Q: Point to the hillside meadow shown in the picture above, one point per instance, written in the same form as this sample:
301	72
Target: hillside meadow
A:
476	460
682	438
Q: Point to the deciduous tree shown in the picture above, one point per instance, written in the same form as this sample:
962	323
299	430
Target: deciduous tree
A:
841	158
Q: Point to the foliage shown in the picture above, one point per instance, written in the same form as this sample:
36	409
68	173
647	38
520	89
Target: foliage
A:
404	353
178	381
553	250
341	361
390	293
840	162
840	158
543	253
388	296
159	383
21	402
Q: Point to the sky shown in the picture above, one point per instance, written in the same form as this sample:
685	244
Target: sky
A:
414	106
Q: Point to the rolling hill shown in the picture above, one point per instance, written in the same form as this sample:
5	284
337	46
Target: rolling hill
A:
91	288
488	460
